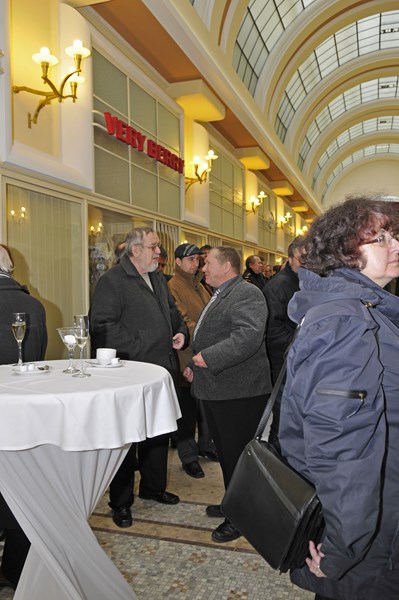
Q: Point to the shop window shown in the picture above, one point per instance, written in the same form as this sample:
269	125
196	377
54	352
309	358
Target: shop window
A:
44	234
107	229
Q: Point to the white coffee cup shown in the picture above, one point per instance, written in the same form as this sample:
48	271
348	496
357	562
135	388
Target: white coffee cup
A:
105	355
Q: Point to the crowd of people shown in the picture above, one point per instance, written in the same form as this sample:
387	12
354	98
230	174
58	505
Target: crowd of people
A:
224	336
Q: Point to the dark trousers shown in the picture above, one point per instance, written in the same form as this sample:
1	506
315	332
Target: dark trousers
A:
232	424
192	415
152	455
186	445
318	597
205	441
16	545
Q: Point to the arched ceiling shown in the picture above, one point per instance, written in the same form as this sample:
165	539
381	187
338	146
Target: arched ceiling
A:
296	76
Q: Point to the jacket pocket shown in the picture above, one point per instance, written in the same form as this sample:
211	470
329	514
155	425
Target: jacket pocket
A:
359	395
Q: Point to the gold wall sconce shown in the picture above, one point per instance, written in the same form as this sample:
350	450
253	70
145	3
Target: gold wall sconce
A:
284	220
18	214
96	229
206	167
254	202
47	60
302	231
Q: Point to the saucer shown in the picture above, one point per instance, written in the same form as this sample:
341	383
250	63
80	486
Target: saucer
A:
94	363
35	371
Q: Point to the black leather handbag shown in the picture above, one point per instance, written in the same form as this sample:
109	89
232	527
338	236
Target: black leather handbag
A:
274	507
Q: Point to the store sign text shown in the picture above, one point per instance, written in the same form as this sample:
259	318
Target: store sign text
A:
127	134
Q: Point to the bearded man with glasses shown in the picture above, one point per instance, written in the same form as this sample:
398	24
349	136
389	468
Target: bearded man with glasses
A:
133	311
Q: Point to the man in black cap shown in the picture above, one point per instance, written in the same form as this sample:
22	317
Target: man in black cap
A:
190	298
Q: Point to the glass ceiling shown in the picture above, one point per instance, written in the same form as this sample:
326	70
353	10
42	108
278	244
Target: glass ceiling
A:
374	33
263	24
363	153
376	89
364	128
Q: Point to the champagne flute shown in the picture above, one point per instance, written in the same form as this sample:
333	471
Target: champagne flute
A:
81	328
67	334
19	329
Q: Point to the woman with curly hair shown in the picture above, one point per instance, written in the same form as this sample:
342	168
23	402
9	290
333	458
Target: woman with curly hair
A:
339	422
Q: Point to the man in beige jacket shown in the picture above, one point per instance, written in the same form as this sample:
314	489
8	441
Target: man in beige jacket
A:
190	298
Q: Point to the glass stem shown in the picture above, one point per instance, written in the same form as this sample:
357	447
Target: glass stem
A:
81	361
20	354
70	350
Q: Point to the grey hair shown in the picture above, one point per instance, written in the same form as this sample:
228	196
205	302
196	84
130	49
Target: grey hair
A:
136	237
6	262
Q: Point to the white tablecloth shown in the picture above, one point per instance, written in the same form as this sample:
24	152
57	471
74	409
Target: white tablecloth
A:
113	407
61	441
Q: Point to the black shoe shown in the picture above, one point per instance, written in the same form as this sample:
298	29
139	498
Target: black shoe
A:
226	532
122	517
162	497
194	470
214	511
210	456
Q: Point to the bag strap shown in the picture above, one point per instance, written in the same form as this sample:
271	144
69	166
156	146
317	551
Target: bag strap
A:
269	406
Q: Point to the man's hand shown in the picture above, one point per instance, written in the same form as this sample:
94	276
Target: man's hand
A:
188	374
199	361
178	341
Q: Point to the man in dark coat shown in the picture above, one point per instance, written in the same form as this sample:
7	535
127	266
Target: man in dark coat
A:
278	291
229	370
15	298
254	271
280	329
133	312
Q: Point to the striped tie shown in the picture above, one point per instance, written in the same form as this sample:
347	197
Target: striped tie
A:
202	315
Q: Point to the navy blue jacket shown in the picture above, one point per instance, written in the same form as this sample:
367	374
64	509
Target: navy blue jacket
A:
339	427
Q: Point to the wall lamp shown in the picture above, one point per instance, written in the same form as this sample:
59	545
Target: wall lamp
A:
206	167
255	201
96	230
47	60
302	231
285	219
20	215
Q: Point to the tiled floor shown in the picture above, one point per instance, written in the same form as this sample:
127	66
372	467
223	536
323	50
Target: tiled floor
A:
168	552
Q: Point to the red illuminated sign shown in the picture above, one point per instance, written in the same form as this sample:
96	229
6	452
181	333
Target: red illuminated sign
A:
127	134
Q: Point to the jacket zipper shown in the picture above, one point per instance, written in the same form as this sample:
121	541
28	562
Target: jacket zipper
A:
352	394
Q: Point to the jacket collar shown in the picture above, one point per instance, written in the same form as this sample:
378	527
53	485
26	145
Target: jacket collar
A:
131	271
7	283
187	277
341	284
228	285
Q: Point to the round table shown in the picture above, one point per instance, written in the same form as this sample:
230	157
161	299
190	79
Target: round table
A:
62	438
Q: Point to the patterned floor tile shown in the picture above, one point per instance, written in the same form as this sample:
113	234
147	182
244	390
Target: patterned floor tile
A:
168	553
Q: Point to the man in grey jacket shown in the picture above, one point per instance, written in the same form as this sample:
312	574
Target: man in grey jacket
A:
133	312
229	370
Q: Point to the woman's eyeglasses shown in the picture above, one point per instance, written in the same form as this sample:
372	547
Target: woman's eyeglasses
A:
384	240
